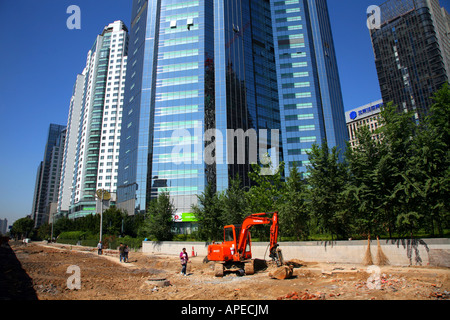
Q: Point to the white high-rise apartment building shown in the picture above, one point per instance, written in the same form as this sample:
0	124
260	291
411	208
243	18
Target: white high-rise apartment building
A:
94	133
70	147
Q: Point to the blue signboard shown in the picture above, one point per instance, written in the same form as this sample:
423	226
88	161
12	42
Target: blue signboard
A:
361	112
369	109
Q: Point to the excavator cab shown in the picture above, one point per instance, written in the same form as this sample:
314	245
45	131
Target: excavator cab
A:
232	240
229	234
229	250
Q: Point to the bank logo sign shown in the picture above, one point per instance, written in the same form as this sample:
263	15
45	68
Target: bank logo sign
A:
364	111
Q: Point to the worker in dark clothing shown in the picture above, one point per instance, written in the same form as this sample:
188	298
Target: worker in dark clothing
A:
122	252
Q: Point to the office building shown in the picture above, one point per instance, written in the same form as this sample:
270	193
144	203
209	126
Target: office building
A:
223	65
70	147
367	115
3	226
48	175
311	104
192	67
412	52
95	143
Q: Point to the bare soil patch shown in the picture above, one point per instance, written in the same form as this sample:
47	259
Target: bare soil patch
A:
105	278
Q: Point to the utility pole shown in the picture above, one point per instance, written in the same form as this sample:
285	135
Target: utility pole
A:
102	195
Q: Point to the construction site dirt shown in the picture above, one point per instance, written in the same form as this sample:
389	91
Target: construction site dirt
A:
49	271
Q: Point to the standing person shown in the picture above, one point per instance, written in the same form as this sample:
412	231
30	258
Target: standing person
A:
100	247
125	253
184	260
121	251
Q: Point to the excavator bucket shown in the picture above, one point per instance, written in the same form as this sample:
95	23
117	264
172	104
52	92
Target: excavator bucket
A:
283	272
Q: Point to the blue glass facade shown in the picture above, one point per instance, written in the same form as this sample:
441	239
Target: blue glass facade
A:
192	67
135	148
195	65
246	96
309	89
46	183
412	53
180	103
164	95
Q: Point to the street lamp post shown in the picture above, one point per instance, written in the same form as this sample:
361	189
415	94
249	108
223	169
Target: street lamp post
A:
102	195
101	216
51	236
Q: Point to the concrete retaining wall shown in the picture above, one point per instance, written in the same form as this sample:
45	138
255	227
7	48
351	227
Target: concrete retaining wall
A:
433	252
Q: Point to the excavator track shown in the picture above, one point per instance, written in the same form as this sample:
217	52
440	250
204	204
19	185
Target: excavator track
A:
249	267
245	267
218	269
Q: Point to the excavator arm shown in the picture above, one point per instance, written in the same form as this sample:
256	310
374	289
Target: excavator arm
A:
275	253
258	219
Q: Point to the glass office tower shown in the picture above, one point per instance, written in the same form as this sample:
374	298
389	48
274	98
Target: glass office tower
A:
194	66
249	69
311	104
47	177
412	52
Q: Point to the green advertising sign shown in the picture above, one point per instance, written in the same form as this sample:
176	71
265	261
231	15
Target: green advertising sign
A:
184	217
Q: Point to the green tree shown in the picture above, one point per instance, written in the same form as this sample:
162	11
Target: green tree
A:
234	201
397	133
293	207
209	214
113	221
327	181
133	223
22	228
428	174
363	187
63	224
89	223
44	231
265	192
159	218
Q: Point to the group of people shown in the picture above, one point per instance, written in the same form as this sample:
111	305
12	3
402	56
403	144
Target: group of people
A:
123	251
123	255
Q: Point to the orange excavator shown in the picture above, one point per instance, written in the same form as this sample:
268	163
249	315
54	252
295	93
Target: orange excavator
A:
234	253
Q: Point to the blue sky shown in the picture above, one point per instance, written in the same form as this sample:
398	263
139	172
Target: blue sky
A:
40	58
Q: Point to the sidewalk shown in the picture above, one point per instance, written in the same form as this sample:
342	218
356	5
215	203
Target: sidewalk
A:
111	255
